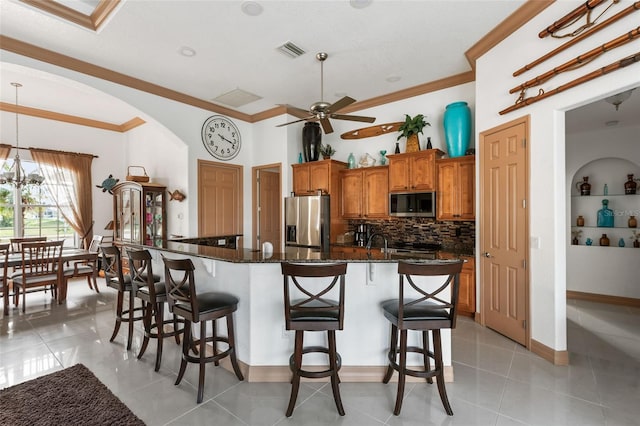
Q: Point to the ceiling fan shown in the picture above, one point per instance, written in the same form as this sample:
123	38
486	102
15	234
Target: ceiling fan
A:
322	111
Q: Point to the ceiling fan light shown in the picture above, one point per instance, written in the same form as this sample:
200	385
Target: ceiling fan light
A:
619	98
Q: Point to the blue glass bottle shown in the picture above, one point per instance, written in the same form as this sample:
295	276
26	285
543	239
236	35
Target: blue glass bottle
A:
351	161
605	215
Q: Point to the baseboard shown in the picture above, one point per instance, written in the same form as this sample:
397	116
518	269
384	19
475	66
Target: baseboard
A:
478	318
603	298
550	354
358	374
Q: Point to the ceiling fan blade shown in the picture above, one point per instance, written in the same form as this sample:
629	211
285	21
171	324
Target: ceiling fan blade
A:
295	111
326	125
353	118
335	107
309	118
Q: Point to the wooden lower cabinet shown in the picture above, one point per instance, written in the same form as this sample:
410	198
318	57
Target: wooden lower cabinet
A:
365	193
467	292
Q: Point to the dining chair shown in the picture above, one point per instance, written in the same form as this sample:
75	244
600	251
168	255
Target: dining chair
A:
4	257
427	301
86	268
40	267
16	247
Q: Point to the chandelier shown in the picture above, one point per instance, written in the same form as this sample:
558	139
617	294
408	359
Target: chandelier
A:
16	174
619	98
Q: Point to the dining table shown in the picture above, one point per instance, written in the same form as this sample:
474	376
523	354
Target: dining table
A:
69	254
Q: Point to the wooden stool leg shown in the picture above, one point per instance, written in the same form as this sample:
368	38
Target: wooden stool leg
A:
187	342
159	308
437	348
392	353
214	336
176	324
232	347
333	365
401	372
146	321
201	370
116	327
297	365
132	302
425	354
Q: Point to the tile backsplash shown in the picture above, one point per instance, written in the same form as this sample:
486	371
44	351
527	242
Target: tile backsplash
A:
452	235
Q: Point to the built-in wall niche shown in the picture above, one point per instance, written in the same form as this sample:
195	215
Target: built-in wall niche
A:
611	172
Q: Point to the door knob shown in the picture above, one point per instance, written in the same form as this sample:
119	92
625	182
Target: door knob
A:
486	254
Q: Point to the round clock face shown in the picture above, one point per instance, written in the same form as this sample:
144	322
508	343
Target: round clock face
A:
221	137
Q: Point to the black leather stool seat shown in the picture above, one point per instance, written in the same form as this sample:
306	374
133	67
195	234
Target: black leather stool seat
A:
428	310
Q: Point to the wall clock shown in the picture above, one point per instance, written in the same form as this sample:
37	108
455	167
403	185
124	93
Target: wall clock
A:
221	137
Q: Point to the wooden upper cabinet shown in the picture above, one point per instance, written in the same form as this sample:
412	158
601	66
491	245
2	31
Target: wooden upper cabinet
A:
365	193
310	177
456	188
413	172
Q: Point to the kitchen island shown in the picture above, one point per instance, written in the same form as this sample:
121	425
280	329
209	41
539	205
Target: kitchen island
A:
263	344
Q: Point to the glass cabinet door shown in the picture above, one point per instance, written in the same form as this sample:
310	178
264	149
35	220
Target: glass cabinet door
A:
125	214
136	213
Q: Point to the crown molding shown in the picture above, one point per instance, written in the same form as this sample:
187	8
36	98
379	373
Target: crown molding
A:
92	22
73	119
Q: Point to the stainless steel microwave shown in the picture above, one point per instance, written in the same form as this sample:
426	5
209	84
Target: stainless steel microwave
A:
412	204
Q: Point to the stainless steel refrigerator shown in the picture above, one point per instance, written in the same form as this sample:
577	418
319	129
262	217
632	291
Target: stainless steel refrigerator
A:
307	221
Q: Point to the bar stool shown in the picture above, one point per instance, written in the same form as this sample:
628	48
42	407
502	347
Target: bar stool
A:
418	308
153	294
307	309
194	307
112	265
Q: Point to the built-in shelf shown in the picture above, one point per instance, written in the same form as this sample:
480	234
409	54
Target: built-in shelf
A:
606	227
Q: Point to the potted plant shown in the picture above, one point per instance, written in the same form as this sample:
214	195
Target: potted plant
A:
410	129
327	151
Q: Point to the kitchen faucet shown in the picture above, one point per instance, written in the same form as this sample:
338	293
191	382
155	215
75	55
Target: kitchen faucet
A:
386	244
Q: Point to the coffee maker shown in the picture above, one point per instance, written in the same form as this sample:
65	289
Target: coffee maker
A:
361	234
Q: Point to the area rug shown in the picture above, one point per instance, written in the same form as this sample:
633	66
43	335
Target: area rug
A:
73	396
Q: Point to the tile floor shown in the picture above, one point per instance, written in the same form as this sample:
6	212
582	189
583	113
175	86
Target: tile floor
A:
497	382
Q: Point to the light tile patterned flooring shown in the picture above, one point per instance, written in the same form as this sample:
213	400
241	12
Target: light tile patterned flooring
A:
497	382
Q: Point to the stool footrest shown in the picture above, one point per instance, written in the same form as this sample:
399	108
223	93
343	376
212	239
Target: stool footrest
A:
315	374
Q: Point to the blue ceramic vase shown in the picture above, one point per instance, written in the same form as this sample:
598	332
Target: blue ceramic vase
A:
457	128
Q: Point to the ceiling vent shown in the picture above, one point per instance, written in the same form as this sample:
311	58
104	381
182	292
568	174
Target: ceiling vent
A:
237	98
291	50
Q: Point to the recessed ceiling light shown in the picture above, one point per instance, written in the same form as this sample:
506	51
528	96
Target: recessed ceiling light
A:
251	8
611	123
187	51
393	78
360	4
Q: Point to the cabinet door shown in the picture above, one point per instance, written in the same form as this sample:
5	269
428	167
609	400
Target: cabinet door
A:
467	291
446	208
351	182
319	176
466	189
422	171
301	179
376	193
136	216
398	173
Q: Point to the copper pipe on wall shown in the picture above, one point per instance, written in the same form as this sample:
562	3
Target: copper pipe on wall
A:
580	60
634	7
622	63
571	17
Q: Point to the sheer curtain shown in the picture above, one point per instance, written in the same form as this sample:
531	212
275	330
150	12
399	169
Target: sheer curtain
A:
4	151
68	180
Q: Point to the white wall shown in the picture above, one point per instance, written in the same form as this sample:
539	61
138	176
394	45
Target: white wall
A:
548	198
606	156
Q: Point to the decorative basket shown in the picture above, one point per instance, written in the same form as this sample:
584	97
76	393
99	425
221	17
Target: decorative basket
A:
137	178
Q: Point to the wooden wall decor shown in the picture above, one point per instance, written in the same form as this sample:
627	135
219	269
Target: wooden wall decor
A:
579	61
634	7
573	17
622	63
367	132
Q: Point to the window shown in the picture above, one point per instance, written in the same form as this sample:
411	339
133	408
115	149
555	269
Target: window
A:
39	214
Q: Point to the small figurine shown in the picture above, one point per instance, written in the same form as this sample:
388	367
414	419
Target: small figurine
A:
108	184
176	195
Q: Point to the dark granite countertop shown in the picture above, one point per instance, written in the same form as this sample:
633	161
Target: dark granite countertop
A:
290	255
